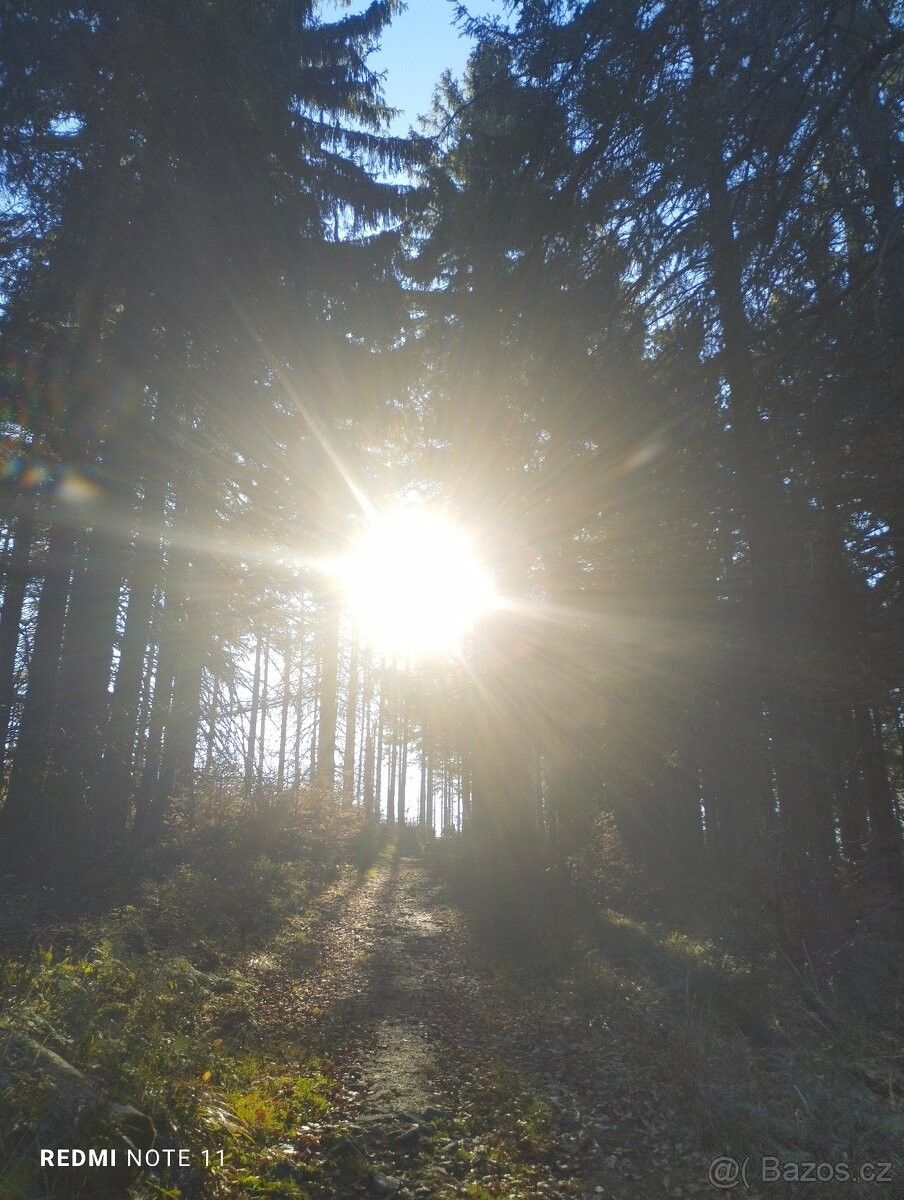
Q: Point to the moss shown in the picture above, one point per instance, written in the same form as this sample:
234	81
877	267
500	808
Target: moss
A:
285	1189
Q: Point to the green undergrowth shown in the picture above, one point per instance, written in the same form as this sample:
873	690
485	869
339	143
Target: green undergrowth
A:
136	1028
758	1053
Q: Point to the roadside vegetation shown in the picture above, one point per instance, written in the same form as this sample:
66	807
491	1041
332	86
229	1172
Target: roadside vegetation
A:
129	1017
766	1042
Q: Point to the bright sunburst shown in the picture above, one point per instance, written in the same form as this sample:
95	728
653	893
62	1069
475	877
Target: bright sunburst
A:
413	584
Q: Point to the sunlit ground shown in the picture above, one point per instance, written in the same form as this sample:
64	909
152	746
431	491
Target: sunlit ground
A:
413	585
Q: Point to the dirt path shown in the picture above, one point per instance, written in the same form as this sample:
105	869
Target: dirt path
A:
450	1084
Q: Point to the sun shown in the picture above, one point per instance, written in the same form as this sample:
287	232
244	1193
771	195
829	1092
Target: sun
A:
413	585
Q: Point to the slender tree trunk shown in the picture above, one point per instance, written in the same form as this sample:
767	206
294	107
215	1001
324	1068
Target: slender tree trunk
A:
187	629
146	821
367	769
299	701
431	818
25	819
317	671
212	714
379	754
884	823
391	790
11	617
284	716
123	728
364	726
466	785
265	708
422	796
329	703
351	707
252	725
83	712
368	794
181	735
850	798
144	710
403	756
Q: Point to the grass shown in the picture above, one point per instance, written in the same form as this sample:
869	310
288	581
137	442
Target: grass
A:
136	1020
268	1104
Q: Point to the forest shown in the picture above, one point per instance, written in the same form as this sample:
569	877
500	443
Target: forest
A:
452	628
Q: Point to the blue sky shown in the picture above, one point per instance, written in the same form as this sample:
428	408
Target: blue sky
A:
420	43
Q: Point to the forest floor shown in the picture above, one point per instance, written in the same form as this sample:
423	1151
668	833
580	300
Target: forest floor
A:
341	1016
455	1079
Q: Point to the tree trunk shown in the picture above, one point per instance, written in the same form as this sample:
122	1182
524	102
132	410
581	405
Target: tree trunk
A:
403	760
264	709
378	783
422	795
393	764
122	730
83	713
284	717
11	617
181	736
767	634
299	700
26	819
351	706
146	812
431	817
212	714
364	726
884	823
329	704
252	719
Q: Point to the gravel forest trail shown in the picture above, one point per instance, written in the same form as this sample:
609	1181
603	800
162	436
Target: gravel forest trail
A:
453	1080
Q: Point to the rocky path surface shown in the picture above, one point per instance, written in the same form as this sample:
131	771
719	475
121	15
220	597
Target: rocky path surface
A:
450	1082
